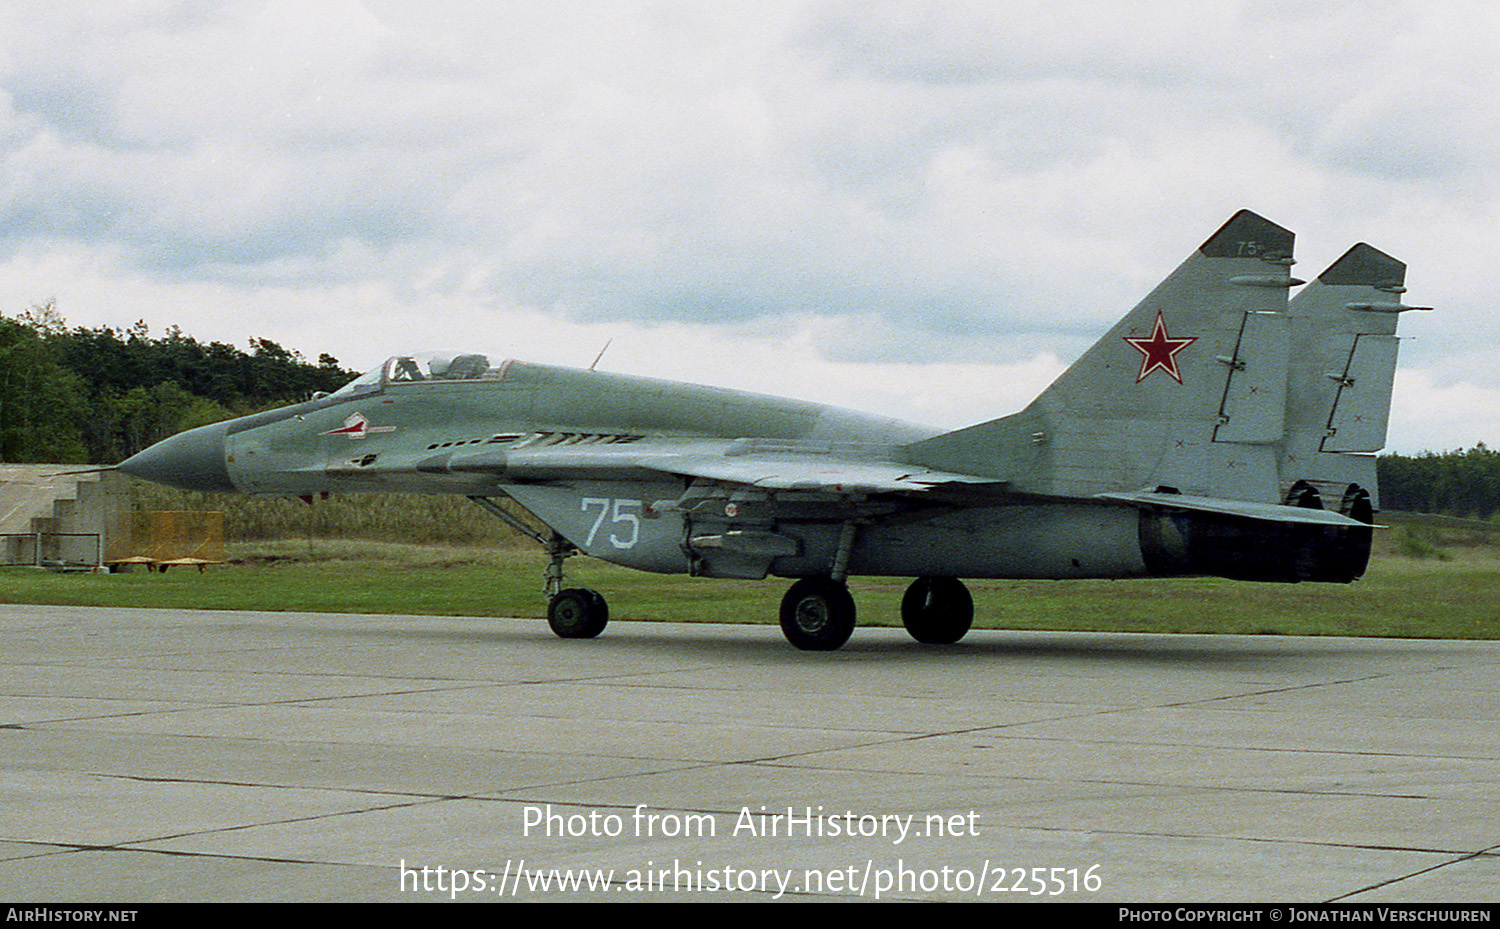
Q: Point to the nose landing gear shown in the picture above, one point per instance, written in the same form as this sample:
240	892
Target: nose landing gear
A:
577	613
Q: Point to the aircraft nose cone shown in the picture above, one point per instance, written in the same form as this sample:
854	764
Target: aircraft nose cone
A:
192	460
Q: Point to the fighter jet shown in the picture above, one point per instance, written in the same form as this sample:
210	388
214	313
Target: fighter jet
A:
1218	429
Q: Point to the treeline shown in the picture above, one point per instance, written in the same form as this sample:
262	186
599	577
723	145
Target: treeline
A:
1459	483
100	395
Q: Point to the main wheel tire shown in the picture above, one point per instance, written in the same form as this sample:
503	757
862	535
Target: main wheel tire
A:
577	613
817	614
937	610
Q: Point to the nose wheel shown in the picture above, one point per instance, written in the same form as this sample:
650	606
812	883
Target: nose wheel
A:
577	613
573	612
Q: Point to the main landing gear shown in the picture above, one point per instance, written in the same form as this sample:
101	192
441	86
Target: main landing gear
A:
818	614
937	610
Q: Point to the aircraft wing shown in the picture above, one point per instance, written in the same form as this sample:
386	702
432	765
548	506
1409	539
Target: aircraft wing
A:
815	473
800	472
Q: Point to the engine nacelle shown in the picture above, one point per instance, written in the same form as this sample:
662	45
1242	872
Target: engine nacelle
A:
1175	542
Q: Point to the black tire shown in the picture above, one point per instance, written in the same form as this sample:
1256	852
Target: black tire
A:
577	613
817	614
937	610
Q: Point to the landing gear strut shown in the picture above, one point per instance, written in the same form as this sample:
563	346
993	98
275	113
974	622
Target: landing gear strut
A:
937	610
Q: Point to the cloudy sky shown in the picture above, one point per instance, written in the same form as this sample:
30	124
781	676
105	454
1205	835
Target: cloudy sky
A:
924	209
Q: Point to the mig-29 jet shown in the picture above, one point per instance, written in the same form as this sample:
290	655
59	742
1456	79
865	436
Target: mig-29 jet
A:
1217	429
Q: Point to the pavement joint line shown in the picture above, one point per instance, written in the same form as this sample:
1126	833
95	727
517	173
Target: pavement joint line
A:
336	675
419	797
998	731
1484	852
62	848
1296	687
37	724
1015	827
1256	840
782	761
266	741
1119	783
266	785
192	707
421	801
1270	749
216	705
1111	711
73	848
503	797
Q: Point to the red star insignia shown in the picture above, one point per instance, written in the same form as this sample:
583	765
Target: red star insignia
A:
357	427
1160	351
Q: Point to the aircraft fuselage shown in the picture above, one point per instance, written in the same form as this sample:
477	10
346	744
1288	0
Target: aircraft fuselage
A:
1217	429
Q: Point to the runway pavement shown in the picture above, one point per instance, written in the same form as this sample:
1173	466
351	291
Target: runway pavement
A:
162	755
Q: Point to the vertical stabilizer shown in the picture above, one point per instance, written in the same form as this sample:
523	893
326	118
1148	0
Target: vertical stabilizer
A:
1187	391
1343	330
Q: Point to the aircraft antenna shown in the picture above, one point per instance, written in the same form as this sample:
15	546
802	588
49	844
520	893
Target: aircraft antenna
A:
601	353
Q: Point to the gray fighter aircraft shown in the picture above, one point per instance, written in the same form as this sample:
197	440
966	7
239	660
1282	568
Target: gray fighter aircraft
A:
1217	429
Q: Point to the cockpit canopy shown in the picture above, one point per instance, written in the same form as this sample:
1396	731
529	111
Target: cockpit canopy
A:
438	366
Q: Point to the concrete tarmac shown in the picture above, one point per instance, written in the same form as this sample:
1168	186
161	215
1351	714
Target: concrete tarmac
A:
151	755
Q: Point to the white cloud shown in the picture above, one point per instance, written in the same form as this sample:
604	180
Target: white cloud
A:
913	191
1433	414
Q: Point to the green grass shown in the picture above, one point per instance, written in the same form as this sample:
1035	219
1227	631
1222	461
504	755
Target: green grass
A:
1400	595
